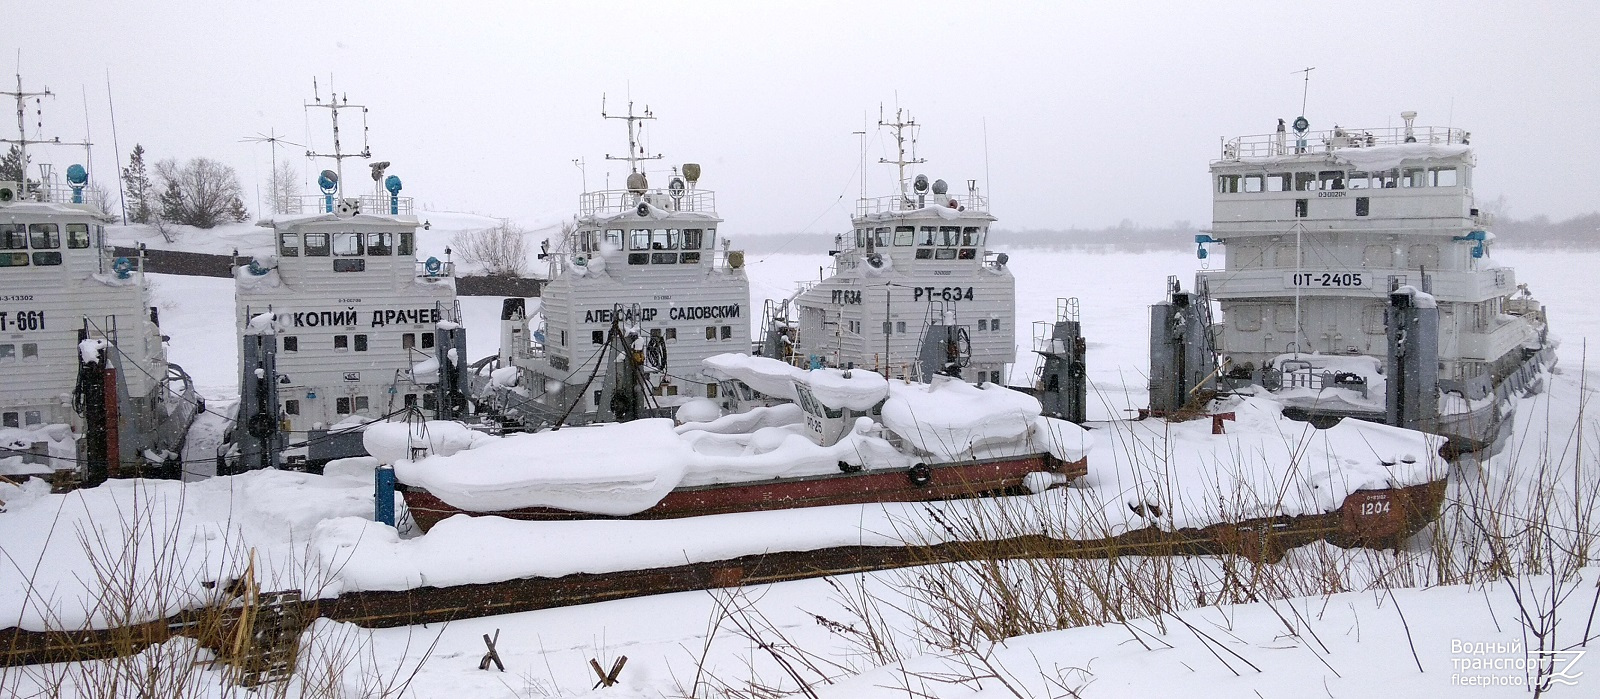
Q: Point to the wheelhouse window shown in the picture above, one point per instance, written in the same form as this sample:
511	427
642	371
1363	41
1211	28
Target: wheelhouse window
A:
1227	184
692	237
317	245
47	236
1331	179
1278	182
1305	181
639	239
880	237
613	239
925	235
77	236
1360	180
903	235
288	245
950	235
1253	183
664	239
861	238
408	243
13	236
1411	177
380	244
944	254
1442	177
971	236
1388	179
347	245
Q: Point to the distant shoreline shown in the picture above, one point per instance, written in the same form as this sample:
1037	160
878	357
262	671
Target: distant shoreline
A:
1538	233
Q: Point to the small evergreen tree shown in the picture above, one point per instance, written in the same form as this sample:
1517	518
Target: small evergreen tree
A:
237	210
171	200
136	183
12	169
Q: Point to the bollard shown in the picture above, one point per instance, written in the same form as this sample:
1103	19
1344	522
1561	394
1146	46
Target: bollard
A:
383	494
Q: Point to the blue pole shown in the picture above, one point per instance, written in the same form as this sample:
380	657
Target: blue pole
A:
383	495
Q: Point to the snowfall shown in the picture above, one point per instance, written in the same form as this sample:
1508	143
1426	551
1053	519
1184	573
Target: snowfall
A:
316	533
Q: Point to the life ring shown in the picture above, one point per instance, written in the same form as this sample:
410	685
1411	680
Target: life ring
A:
920	475
953	204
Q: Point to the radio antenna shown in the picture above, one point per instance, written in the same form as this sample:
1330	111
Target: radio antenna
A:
902	123
22	141
1306	90
635	151
272	139
334	104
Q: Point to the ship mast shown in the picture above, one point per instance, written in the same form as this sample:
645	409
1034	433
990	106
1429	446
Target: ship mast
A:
901	123
22	141
635	151
338	155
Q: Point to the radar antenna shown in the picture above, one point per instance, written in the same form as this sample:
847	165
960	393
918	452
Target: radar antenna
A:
902	123
334	104
22	141
635	151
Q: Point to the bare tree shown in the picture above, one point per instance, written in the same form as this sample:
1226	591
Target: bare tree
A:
501	250
284	189
200	193
101	198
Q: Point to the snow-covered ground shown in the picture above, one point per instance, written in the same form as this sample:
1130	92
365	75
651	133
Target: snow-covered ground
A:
1339	644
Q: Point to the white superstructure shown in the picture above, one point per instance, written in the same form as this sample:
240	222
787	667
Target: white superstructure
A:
358	318
60	284
651	263
1320	226
913	260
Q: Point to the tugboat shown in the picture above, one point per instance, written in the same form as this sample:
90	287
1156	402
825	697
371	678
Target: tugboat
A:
914	290
641	290
86	391
344	325
1359	282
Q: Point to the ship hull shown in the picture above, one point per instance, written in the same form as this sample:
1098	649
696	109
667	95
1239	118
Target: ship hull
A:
943	482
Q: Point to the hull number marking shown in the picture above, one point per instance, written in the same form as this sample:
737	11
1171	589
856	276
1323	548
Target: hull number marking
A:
949	293
17	321
1328	280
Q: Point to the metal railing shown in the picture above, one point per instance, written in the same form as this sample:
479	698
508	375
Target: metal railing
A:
440	269
616	201
1273	144
893	203
49	191
384	205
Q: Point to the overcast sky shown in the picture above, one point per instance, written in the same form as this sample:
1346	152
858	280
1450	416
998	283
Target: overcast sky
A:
1094	112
